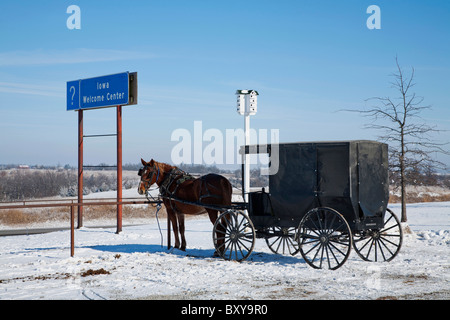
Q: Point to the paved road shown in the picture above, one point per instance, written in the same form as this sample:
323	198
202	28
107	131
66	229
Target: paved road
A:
20	232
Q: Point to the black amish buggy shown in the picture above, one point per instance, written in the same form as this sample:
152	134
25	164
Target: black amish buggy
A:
324	199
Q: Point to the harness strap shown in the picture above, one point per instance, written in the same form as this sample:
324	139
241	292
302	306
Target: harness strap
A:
208	194
175	175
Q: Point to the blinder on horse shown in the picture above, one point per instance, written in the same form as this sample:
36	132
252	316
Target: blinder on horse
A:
149	180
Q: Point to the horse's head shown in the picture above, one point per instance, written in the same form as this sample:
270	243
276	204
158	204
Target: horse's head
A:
149	175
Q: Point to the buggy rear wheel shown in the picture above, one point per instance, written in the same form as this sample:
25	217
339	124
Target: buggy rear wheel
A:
325	238
380	244
282	240
234	235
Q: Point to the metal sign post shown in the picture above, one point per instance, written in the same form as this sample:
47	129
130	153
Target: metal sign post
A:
80	167
246	176
114	90
246	106
119	168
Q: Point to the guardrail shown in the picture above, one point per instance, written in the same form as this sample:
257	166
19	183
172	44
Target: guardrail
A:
72	204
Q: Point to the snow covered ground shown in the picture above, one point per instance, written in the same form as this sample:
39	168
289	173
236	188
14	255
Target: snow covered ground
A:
133	265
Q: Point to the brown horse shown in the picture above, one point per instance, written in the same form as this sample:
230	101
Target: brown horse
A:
210	189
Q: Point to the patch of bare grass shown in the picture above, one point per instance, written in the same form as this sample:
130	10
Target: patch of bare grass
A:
417	197
15	216
25	217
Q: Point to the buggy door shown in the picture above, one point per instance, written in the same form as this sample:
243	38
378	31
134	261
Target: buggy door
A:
292	187
333	175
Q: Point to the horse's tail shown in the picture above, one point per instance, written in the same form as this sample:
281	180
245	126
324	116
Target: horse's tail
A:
228	194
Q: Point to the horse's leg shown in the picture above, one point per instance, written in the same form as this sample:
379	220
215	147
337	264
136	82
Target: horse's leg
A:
212	215
180	218
220	230
173	219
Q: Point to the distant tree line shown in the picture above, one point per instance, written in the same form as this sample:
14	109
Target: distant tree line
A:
24	184
419	177
34	184
29	184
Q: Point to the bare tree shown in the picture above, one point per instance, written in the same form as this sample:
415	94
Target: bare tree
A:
411	145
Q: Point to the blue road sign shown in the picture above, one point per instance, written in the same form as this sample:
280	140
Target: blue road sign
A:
98	92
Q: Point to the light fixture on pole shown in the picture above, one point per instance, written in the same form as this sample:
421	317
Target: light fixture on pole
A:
246	106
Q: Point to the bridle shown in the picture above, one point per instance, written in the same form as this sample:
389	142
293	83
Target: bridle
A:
147	182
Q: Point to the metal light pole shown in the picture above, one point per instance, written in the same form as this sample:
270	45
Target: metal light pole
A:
246	106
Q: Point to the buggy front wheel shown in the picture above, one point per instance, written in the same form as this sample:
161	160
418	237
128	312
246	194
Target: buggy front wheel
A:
234	235
324	238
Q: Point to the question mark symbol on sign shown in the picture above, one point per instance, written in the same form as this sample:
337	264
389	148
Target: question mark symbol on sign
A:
73	94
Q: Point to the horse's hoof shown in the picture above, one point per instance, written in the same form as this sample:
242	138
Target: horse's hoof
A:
216	254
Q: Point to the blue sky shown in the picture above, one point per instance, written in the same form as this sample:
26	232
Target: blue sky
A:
307	59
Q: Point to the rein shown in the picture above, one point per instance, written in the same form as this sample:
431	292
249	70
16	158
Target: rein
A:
150	197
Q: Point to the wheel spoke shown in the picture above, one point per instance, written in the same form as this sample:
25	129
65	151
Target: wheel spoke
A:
318	244
386	247
336	248
387	240
372	241
334	256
